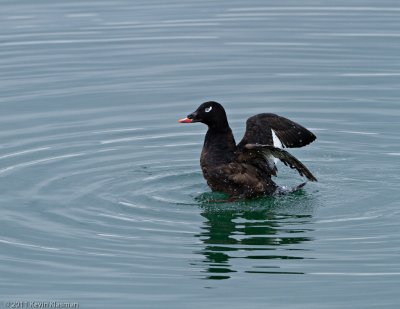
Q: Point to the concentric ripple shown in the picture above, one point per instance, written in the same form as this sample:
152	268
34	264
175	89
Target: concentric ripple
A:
102	197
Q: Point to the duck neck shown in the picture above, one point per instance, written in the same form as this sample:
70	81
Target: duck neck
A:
219	145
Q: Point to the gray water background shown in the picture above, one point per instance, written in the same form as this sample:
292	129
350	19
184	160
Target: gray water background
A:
102	198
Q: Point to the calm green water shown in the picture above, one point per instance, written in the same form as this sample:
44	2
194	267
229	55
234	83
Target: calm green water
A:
102	198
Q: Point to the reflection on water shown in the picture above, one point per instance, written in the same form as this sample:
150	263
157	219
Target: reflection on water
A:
259	231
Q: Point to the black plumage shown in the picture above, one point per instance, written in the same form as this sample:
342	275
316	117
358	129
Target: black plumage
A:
244	170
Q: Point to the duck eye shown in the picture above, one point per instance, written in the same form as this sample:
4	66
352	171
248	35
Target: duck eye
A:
208	109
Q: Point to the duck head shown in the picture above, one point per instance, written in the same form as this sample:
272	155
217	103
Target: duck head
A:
210	113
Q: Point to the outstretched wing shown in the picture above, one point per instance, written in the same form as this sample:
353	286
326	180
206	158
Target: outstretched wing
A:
261	128
257	151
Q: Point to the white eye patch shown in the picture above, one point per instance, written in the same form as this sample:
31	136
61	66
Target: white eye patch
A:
208	109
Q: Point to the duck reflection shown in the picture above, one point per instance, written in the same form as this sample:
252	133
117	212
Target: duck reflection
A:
262	231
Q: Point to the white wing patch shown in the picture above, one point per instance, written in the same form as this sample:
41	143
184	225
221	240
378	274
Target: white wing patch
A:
277	144
276	140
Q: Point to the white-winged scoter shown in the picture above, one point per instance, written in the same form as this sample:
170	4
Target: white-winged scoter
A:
244	170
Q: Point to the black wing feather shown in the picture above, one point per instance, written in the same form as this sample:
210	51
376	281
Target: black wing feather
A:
290	133
282	155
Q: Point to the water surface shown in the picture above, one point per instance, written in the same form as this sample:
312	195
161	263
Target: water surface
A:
102	198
